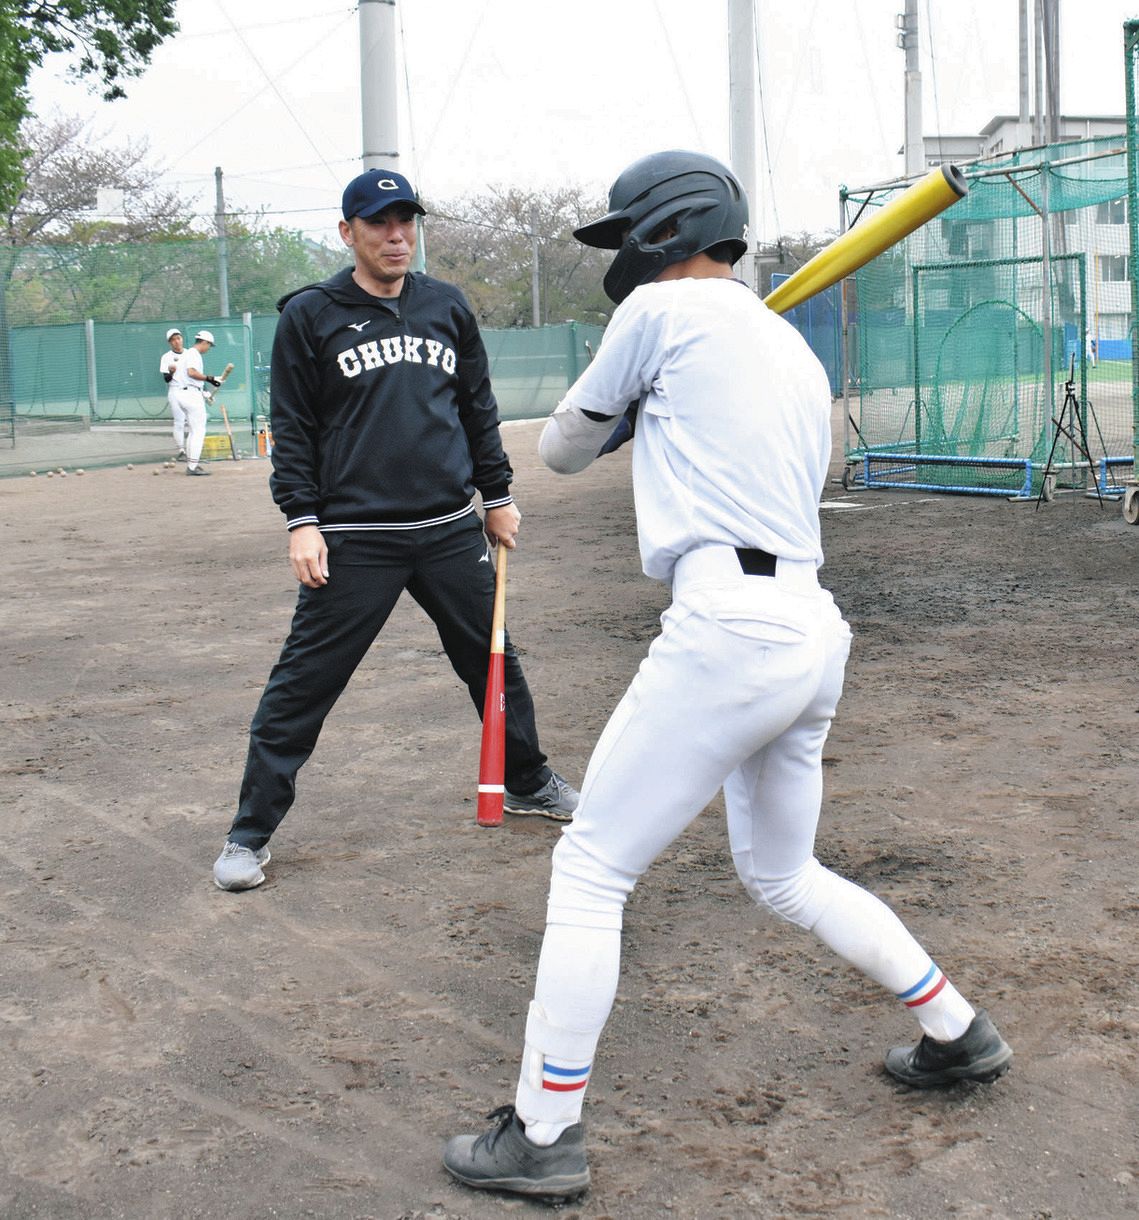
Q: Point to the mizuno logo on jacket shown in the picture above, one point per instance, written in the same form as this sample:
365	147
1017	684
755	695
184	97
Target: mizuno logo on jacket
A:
398	431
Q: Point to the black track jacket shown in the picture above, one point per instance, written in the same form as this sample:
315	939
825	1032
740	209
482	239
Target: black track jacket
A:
382	412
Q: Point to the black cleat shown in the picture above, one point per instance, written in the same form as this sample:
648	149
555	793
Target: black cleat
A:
979	1054
504	1159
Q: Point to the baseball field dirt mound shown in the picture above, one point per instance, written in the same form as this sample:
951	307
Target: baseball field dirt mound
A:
303	1049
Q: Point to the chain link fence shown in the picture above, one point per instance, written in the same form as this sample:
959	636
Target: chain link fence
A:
991	351
83	328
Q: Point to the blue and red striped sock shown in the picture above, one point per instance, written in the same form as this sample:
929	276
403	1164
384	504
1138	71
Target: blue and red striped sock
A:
943	1012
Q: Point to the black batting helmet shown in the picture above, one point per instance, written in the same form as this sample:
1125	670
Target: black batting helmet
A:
702	198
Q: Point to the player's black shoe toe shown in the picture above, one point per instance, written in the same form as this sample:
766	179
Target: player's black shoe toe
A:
979	1054
504	1159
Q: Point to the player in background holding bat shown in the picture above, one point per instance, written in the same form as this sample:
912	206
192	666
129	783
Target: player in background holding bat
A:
730	452
384	428
208	395
190	380
166	367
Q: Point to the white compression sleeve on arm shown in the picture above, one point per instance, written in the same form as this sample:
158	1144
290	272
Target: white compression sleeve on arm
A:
570	440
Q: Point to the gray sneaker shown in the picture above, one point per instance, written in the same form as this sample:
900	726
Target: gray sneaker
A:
504	1159
979	1054
239	868
555	800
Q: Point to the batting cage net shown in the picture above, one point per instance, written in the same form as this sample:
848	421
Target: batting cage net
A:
991	351
85	329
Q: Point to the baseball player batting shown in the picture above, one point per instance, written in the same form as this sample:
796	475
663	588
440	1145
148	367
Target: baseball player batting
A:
187	387
731	441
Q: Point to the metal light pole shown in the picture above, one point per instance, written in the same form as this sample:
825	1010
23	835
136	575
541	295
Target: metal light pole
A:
223	250
908	41
535	277
741	114
379	109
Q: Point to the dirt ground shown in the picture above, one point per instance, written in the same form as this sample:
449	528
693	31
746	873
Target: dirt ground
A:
302	1050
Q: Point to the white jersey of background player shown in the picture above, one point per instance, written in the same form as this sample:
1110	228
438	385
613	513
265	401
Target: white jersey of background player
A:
168	366
731	447
187	390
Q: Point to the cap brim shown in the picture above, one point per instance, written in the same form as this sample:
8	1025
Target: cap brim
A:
383	204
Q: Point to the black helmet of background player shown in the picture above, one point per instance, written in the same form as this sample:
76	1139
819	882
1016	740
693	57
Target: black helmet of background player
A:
701	198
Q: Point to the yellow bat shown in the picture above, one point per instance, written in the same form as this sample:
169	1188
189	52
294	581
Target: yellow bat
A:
927	198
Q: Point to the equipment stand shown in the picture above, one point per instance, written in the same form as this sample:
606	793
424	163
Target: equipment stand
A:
1072	426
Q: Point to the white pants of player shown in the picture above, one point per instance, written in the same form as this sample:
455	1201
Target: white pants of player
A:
193	405
181	425
737	692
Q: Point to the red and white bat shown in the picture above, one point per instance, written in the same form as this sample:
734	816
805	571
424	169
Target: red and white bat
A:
492	758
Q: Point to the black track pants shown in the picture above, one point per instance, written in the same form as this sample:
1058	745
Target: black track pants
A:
450	573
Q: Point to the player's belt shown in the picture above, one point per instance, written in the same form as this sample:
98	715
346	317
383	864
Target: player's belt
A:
718	565
756	562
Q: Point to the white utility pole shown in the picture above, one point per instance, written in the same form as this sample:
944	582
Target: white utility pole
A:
1038	133
379	108
535	277
741	114
1050	18
908	41
1023	114
223	251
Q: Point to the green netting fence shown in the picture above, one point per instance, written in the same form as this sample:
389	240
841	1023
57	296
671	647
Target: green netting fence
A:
85	330
993	347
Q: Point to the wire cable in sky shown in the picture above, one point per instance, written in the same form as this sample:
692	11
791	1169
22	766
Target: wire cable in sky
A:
520	231
470	45
800	63
309	49
872	81
679	75
407	92
933	74
269	25
763	120
280	96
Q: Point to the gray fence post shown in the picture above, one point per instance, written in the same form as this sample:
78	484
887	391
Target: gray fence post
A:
571	363
250	384
92	375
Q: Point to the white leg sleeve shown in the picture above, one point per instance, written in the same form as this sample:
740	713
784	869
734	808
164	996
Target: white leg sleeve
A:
863	931
179	417
556	1064
196	417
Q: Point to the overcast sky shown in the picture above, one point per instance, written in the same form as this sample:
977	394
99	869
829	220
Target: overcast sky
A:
522	93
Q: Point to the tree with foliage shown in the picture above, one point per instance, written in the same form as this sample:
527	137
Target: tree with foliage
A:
484	243
788	254
47	273
65	167
149	262
112	41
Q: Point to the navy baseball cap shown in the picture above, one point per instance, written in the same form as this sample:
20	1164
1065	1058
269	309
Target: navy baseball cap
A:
376	189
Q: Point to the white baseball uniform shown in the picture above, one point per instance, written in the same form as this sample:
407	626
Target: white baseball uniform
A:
730	455
188	394
169	362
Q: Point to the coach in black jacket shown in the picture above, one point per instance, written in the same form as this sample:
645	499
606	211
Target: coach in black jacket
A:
384	428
